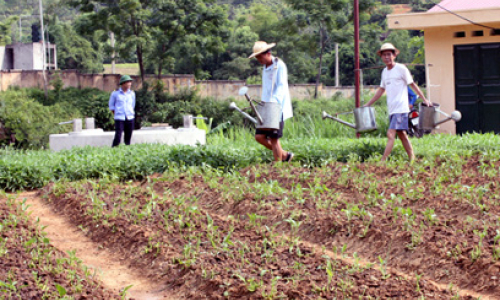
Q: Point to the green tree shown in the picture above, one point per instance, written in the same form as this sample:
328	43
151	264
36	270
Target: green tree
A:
6	30
74	51
329	21
128	19
421	5
236	64
272	21
195	22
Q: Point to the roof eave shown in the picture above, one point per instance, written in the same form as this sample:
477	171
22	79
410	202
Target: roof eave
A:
420	21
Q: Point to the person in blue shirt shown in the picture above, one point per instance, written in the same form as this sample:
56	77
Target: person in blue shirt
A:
412	98
274	89
122	105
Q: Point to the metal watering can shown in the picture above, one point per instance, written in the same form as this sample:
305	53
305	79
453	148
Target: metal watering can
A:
268	114
429	116
364	118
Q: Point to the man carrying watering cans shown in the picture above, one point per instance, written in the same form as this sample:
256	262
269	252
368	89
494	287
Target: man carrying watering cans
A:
274	89
395	80
122	105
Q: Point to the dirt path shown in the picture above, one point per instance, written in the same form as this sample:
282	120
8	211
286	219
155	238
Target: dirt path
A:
108	268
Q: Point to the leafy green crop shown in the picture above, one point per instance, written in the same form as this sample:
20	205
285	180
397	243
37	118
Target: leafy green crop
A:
33	169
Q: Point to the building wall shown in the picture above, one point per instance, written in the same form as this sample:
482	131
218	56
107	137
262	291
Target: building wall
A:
23	56
37	56
221	89
439	43
26	57
2	58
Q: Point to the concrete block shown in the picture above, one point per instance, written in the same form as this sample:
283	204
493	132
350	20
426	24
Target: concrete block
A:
77	125
89	123
98	138
188	121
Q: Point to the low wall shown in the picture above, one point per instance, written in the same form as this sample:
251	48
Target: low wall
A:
224	89
218	89
72	78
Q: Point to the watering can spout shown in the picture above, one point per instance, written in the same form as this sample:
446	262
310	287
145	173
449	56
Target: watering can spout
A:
455	116
233	106
325	115
429	116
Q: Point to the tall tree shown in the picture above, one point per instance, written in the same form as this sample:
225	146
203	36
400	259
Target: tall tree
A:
237	65
196	22
325	16
73	50
128	19
6	30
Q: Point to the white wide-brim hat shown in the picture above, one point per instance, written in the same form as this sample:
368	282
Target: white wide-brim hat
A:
260	47
387	46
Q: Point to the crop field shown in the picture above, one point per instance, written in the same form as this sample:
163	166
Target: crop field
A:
32	268
332	227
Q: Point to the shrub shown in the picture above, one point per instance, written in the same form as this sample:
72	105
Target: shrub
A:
29	120
87	102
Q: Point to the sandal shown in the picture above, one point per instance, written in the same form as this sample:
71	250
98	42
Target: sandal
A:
289	156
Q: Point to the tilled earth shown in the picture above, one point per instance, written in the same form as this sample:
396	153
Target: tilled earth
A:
343	231
30	268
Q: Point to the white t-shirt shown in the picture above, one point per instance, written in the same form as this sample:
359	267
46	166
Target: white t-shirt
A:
395	82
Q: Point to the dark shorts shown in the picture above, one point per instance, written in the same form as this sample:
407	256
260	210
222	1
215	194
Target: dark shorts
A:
398	121
273	133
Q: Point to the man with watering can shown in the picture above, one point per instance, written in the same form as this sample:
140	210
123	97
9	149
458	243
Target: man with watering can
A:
395	80
274	89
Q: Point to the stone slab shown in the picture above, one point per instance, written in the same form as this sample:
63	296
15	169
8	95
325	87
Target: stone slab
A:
99	138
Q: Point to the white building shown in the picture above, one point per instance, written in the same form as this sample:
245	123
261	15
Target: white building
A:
21	56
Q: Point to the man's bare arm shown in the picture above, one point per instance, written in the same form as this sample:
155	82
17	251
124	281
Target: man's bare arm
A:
375	97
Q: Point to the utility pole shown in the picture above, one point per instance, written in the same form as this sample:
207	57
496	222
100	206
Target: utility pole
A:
43	52
337	65
112	37
48	49
356	54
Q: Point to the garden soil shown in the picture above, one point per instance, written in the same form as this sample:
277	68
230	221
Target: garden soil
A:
116	249
109	268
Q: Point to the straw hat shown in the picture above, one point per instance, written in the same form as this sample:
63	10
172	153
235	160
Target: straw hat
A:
260	47
387	46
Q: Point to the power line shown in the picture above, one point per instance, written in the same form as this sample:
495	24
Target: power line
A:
462	17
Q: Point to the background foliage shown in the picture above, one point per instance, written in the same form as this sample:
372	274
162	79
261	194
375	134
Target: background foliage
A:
33	117
212	39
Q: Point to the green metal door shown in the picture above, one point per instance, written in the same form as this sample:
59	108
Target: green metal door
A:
477	87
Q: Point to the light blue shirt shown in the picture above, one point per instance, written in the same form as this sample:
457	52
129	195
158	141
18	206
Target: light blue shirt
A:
123	103
277	73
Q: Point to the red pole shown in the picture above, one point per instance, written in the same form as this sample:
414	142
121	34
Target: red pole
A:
356	54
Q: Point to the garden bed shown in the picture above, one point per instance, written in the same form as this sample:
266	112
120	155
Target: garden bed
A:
344	230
